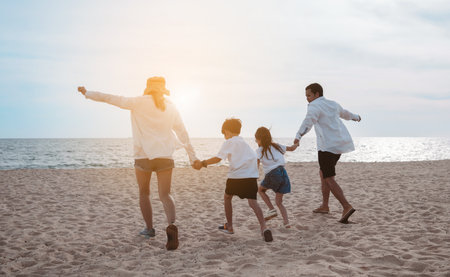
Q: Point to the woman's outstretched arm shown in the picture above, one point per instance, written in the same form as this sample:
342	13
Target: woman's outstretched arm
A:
122	102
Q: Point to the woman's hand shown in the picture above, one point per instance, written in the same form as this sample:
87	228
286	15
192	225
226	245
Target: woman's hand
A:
197	164
82	90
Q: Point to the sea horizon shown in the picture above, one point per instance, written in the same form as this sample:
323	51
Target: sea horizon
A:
73	153
217	137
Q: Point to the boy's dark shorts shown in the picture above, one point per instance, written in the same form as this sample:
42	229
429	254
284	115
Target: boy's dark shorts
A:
277	180
327	163
244	188
158	164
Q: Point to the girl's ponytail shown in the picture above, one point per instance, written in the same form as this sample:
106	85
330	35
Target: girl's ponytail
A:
264	136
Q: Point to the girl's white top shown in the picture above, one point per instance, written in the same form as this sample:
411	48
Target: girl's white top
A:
241	157
156	133
271	163
332	135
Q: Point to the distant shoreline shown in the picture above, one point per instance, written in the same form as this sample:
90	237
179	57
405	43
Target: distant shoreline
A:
246	137
288	164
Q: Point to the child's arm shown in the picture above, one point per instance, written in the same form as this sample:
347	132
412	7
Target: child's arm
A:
292	147
212	160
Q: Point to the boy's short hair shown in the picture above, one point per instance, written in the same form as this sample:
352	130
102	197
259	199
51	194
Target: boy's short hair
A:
232	125
315	88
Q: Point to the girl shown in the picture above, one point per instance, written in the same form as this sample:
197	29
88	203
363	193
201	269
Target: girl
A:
157	128
271	156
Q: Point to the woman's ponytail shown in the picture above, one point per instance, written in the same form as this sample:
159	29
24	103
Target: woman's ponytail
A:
156	87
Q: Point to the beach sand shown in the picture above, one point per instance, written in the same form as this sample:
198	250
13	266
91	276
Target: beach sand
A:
85	223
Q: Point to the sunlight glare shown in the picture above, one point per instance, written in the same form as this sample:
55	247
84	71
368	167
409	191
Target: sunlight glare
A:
186	99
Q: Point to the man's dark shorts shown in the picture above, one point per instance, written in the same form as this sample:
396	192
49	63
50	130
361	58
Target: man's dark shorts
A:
156	165
327	163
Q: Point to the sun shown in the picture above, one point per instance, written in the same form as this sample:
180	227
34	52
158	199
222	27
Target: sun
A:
186	99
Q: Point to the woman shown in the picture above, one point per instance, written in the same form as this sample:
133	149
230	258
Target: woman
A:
154	120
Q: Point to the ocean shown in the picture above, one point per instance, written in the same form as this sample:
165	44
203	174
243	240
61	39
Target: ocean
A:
118	153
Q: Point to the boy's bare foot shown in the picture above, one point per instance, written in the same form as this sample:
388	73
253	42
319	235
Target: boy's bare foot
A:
321	210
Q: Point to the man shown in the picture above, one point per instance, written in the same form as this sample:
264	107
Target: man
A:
333	139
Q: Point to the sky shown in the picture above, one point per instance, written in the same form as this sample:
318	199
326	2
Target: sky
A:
388	61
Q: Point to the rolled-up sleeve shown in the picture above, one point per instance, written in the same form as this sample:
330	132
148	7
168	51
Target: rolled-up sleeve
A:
122	102
311	117
183	137
344	114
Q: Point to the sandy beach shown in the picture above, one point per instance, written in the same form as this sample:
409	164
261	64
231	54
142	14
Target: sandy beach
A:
86	222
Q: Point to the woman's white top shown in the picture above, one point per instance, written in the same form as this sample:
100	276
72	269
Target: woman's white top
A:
241	157
332	135
156	133
268	162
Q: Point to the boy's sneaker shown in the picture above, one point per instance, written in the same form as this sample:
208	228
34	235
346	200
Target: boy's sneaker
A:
148	233
270	214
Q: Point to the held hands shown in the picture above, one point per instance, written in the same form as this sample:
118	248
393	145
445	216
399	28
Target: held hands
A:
197	165
294	146
82	90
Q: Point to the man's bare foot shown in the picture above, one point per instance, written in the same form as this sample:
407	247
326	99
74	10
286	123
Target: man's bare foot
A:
348	211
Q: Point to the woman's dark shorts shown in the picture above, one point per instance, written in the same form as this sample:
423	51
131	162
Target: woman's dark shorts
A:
277	180
244	188
156	165
327	163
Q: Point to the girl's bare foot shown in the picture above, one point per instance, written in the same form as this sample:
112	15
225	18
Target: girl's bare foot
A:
321	210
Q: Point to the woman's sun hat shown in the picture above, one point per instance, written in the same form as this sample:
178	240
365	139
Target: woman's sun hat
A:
156	85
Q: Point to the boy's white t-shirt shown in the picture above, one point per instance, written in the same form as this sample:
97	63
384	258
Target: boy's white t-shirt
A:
270	163
241	157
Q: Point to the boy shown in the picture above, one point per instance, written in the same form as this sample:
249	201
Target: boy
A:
333	139
242	175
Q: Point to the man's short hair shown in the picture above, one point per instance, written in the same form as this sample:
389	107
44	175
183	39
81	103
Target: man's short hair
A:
315	88
232	125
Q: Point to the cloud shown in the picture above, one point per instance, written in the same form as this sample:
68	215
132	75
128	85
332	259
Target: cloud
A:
251	58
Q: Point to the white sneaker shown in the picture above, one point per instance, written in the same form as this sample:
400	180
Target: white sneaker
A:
148	233
270	214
